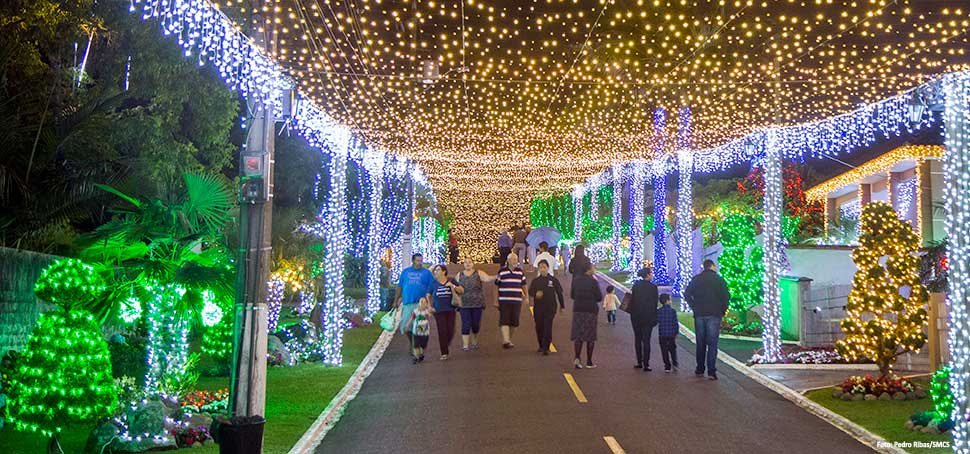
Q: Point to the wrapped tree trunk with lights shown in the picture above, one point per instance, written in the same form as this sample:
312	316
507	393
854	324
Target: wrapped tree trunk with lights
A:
885	316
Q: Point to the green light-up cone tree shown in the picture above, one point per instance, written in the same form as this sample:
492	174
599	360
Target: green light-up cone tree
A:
65	370
741	264
885	317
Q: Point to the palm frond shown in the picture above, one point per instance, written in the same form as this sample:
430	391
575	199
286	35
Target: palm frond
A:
208	200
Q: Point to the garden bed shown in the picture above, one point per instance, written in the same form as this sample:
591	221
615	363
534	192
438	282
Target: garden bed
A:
884	418
288	411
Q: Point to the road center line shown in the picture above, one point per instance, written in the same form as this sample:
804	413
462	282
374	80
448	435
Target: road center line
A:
614	445
572	385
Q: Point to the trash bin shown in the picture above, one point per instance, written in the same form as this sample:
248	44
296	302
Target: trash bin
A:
239	435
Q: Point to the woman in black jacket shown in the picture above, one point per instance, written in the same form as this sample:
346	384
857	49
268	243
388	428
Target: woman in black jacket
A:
643	315
586	296
580	262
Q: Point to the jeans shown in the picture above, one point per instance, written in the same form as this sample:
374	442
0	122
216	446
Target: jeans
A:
446	329
668	351
611	316
708	329
641	339
471	320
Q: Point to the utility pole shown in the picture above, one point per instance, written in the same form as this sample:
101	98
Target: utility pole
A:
248	381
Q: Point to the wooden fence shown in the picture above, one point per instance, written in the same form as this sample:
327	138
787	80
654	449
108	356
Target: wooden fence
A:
824	308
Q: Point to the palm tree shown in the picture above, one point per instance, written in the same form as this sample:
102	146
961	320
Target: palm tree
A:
171	256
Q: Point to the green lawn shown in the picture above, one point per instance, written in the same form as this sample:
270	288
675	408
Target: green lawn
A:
295	396
884	418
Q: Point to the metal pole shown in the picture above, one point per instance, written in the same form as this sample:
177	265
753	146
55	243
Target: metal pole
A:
248	381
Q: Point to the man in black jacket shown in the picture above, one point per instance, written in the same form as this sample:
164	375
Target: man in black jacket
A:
708	296
643	316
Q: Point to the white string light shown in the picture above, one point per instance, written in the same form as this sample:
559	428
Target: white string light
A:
956	190
374	163
638	183
685	226
617	178
773	205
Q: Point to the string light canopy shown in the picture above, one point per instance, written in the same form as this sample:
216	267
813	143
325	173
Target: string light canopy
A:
487	94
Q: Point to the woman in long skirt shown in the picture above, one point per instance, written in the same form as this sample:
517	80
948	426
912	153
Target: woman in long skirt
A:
586	296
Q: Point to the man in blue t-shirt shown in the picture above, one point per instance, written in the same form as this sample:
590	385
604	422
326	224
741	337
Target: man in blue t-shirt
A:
415	282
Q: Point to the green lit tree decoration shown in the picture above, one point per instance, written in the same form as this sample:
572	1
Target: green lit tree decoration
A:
884	315
741	264
71	284
65	370
940	393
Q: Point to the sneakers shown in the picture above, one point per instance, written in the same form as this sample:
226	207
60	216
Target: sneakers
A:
590	365
578	364
474	347
638	366
466	349
647	369
443	358
507	345
712	376
698	373
666	370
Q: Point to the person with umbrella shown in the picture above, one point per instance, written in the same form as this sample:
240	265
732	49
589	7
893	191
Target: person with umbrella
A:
551	261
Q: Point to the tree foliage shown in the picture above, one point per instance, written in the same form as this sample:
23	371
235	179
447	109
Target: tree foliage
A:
137	126
885	317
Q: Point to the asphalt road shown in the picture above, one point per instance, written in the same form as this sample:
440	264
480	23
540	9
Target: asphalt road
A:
516	401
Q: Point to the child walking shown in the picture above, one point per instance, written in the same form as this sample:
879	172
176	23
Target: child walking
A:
610	304
667	330
421	329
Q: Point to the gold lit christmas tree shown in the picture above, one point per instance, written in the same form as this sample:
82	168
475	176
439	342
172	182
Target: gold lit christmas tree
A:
885	315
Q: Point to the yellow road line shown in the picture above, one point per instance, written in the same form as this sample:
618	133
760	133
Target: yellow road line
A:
614	445
552	347
572	385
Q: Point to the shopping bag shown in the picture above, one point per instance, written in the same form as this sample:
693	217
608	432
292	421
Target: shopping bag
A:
387	321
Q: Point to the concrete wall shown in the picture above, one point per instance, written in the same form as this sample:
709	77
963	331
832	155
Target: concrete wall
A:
19	307
824	265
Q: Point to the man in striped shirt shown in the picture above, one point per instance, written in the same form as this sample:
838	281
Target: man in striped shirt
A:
511	289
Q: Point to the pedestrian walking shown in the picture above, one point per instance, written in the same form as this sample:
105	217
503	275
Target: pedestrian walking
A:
586	296
511	289
544	254
708	296
414	284
667	329
445	293
519	246
472	303
420	321
610	304
504	246
452	246
579	262
643	316
545	292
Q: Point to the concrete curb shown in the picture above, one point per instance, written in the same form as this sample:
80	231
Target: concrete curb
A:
798	366
314	435
854	430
